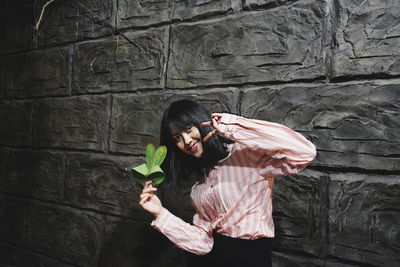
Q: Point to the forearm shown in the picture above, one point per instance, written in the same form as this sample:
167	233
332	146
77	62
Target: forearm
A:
283	150
186	236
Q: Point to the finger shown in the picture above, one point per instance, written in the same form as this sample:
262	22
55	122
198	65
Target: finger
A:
149	190
143	200
218	115
209	135
215	122
146	195
150	184
146	184
206	123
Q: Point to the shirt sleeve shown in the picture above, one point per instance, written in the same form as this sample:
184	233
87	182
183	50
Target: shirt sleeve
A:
189	237
282	151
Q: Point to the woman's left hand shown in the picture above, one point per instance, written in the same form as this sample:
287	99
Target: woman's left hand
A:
149	200
215	118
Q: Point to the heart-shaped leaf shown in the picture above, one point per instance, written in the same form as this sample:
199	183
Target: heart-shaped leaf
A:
151	170
156	175
141	170
160	155
158	180
140	173
150	151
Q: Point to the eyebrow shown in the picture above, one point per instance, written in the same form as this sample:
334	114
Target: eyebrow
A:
187	127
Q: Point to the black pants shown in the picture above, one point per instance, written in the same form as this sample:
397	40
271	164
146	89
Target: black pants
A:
234	252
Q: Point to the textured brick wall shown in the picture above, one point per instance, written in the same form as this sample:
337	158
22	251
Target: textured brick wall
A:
79	102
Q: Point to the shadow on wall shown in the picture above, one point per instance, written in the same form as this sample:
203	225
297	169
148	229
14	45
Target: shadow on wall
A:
136	243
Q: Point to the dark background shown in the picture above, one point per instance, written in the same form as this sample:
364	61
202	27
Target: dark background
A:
81	98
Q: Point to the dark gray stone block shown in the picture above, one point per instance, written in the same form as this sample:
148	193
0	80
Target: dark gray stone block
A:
300	212
135	123
280	259
78	122
102	183
339	263
37	73
13	256
6	4
2	71
62	22
129	62
266	3
364	218
352	125
367	38
70	235
9	255
16	26
274	45
71	21
136	119
15	123
136	243
13	212
34	174
38	260
143	13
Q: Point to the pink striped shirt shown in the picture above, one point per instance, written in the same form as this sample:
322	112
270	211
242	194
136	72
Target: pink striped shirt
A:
236	198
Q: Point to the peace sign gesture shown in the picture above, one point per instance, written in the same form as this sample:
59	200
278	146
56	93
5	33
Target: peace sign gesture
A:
215	121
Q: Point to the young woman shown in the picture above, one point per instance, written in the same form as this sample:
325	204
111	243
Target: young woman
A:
239	158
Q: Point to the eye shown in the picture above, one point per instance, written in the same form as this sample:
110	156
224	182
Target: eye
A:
176	138
189	128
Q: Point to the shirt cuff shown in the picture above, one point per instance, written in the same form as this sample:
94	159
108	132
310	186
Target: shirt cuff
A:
162	219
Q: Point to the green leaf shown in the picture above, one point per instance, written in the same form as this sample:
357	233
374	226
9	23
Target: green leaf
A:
140	173
158	180
140	179
151	170
160	155
150	151
156	175
141	170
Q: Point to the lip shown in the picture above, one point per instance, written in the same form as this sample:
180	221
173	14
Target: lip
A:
193	148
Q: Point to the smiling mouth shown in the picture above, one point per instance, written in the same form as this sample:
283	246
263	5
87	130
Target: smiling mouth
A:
193	148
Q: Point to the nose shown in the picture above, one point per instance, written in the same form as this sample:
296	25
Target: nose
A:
187	139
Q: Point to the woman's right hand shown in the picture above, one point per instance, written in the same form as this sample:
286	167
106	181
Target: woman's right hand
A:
215	118
149	200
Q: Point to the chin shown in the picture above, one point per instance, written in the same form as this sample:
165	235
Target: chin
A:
197	156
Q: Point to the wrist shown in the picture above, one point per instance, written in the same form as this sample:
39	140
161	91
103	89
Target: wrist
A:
158	212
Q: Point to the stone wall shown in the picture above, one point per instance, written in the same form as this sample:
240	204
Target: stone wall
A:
80	100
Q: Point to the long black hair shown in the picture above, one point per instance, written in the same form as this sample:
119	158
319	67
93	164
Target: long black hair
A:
178	117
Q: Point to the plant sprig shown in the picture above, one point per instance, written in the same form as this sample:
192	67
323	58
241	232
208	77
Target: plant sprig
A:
151	170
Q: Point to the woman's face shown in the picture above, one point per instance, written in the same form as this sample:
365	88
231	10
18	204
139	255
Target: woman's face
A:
189	141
